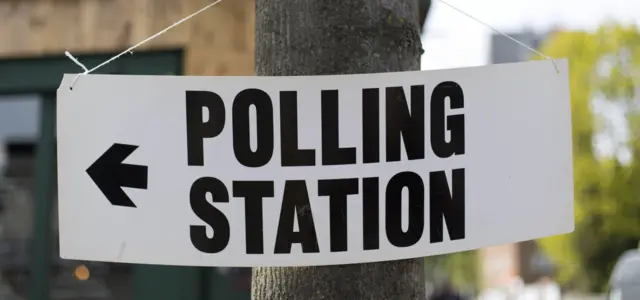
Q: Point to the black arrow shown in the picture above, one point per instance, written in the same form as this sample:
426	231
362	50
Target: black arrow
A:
111	175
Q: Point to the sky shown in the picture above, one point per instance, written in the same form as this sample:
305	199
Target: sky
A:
454	40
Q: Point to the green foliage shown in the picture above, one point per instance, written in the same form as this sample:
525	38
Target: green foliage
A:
603	64
460	267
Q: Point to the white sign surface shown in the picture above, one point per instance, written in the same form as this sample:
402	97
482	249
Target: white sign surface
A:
284	171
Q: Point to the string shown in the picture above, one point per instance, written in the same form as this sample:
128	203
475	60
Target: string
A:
503	34
130	50
75	60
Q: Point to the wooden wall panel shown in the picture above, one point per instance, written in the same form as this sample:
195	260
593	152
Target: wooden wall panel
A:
218	41
225	34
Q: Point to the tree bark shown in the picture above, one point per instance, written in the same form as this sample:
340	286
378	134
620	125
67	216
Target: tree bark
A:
322	37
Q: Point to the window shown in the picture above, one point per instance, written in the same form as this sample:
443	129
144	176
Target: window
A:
19	120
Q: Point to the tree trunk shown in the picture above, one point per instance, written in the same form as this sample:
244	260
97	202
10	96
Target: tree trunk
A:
321	37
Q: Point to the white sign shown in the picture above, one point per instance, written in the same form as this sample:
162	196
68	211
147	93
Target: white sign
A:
312	170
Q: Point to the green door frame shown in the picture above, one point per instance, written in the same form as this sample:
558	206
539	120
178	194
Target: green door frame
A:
43	75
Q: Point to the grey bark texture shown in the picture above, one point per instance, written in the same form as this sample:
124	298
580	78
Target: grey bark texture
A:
321	37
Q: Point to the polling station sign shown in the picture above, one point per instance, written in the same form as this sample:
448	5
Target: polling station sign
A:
312	170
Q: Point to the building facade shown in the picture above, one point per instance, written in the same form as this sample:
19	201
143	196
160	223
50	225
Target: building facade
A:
504	50
33	38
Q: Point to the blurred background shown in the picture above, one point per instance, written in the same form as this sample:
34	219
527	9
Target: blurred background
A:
600	260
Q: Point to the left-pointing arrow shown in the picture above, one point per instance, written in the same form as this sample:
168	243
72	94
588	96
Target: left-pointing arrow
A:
111	175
